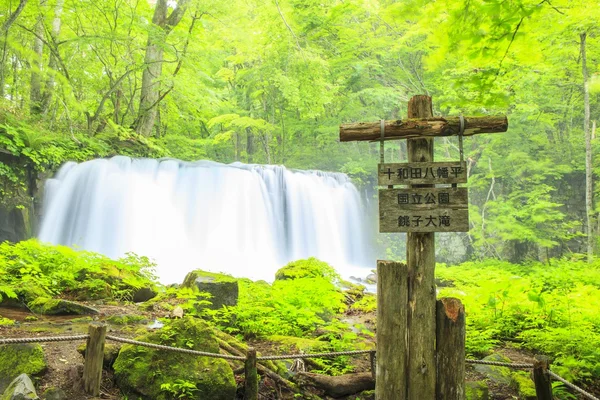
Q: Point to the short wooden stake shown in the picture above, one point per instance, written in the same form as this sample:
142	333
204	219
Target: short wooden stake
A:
94	355
251	382
392	352
543	385
450	349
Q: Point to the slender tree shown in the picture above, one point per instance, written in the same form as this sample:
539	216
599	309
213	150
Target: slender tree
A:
150	91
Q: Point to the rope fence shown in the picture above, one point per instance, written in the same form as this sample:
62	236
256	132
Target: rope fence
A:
500	364
45	339
573	387
42	339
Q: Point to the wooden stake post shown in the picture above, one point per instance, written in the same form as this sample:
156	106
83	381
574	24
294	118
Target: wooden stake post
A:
406	304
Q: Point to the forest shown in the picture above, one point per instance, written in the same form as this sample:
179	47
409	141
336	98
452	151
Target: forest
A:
269	83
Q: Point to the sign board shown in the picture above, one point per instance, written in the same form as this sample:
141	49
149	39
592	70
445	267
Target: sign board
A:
427	173
423	210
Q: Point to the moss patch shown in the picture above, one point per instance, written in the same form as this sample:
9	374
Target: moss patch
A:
476	391
524	384
309	268
171	373
48	306
127	319
17	359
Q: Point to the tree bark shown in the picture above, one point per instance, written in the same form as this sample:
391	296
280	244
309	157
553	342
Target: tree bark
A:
420	256
588	150
422	127
249	146
150	92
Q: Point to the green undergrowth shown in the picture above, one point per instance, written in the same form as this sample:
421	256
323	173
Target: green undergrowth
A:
31	270
551	309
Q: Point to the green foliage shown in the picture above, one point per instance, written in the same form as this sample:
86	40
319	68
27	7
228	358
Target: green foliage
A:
31	270
175	375
20	359
180	389
296	304
551	308
310	268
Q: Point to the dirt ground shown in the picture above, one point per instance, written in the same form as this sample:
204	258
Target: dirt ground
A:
65	364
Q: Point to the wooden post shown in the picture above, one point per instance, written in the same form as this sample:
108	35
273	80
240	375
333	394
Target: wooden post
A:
420	256
450	349
251	381
392	353
543	385
94	355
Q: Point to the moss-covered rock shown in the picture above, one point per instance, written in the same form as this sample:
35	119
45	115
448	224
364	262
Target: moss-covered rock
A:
162	375
111	351
54	393
21	388
223	289
127	319
60	307
500	375
476	391
17	359
310	268
524	385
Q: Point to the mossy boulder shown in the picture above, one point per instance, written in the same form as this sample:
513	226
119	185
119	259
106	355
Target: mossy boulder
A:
127	319
160	374
54	393
21	388
17	359
223	289
477	391
60	307
309	268
500	375
111	351
524	385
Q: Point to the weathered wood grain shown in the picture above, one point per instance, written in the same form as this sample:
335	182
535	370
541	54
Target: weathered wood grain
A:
420	256
399	200
392	351
94	356
423	221
450	349
422	127
427	173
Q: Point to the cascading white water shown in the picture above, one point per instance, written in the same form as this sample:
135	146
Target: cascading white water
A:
245	220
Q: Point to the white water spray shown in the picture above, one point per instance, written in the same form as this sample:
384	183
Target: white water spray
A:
245	220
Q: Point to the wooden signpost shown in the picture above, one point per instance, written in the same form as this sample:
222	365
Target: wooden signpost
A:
406	302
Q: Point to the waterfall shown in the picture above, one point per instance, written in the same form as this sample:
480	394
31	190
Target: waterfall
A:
245	220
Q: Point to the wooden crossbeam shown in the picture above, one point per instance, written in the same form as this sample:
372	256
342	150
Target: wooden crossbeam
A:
422	128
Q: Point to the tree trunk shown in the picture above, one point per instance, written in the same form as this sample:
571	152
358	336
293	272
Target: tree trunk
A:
150	93
249	146
13	16
588	150
53	63
35	94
